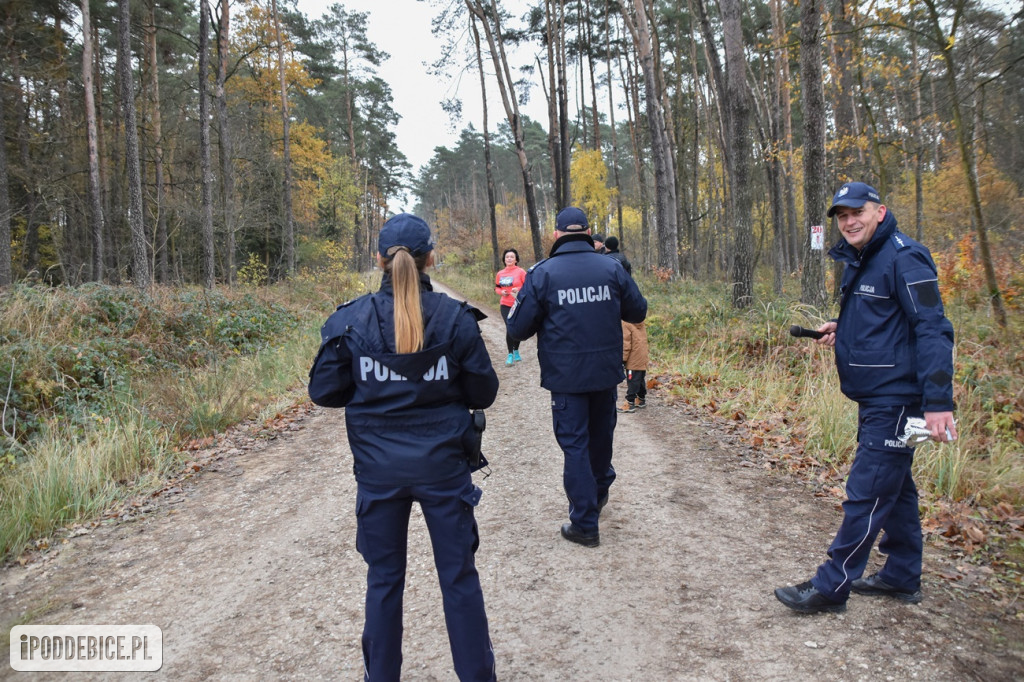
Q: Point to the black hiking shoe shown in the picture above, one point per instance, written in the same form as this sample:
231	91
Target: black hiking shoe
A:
874	586
574	534
805	598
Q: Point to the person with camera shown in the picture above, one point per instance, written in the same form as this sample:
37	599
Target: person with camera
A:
408	365
573	301
894	354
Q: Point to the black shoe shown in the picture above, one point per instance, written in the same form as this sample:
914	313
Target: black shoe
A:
805	598
875	586
573	534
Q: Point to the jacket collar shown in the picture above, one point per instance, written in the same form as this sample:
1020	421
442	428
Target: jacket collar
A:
387	285
572	242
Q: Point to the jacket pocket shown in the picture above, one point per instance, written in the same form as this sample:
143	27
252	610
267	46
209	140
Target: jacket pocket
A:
872	357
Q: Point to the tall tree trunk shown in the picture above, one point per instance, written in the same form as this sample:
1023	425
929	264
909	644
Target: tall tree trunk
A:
227	171
967	163
160	242
738	104
590	70
6	273
289	221
813	277
554	147
92	141
506	85
140	262
611	123
786	113
362	256
30	251
661	147
563	109
209	273
109	223
632	92
488	169
918	142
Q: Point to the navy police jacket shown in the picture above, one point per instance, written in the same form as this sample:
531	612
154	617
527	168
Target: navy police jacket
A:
574	301
894	344
406	414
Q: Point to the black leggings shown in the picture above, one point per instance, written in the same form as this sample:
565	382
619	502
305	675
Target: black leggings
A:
513	344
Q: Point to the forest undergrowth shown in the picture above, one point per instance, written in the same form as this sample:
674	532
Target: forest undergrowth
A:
105	389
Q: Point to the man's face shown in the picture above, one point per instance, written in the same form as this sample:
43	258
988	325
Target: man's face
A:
858	225
598	245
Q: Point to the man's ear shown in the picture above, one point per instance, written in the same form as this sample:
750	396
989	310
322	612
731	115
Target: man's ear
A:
430	259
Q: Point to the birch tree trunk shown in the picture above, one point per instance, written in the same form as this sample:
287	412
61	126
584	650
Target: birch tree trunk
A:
140	263
289	222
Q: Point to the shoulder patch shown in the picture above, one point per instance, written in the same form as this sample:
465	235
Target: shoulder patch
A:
474	311
900	240
535	265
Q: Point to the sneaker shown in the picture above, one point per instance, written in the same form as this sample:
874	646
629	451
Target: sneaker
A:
641	403
509	360
627	406
516	357
875	586
805	598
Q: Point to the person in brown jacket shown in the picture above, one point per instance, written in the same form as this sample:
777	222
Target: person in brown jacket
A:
635	356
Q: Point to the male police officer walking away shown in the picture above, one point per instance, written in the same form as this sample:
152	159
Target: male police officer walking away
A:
574	301
894	353
407	364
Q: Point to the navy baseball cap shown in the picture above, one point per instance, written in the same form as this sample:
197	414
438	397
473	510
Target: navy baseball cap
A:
571	219
854	195
406	230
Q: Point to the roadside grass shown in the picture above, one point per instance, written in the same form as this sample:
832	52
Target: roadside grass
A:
103	386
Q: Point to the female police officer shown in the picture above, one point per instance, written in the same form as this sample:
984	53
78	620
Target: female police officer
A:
408	364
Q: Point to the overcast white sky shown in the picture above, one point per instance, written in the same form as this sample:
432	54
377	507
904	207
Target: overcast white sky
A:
402	29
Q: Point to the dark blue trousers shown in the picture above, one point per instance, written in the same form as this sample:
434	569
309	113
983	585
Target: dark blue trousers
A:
382	538
584	425
881	496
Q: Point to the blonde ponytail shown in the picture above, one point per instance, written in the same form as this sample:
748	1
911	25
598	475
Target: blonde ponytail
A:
405	279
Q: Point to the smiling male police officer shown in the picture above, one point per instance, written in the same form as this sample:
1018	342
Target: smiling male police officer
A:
894	353
573	300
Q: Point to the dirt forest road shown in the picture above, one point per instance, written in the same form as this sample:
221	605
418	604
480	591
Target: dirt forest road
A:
251	571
